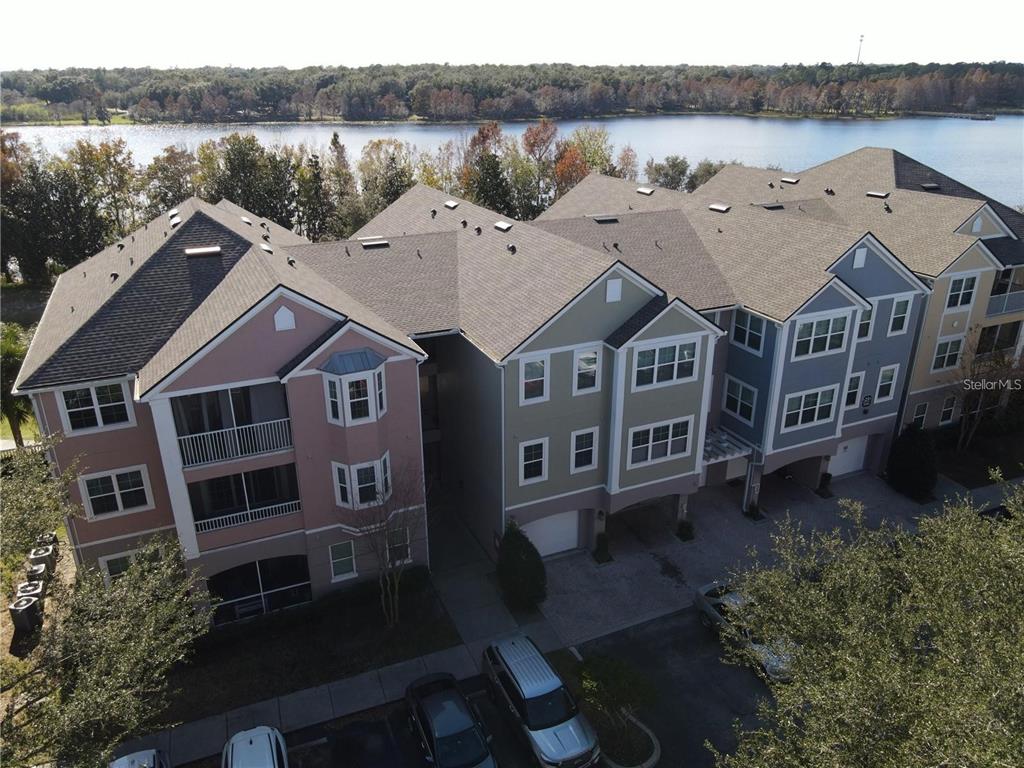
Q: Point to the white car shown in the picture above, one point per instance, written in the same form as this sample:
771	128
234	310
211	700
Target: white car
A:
261	747
147	758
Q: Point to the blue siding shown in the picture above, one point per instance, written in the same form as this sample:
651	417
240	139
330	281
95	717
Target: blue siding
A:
755	372
826	301
876	278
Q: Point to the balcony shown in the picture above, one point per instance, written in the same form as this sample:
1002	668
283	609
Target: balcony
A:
1007	302
247	516
1007	292
231	424
243	498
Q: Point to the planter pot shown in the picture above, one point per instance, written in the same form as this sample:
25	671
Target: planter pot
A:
654	757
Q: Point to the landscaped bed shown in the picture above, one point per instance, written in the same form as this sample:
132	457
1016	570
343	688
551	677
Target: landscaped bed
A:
330	639
970	468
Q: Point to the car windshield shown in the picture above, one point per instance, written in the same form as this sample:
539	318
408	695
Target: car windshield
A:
461	750
550	709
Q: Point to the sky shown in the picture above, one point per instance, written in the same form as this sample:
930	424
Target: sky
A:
298	33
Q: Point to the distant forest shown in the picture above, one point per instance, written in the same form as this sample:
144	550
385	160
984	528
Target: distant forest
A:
459	93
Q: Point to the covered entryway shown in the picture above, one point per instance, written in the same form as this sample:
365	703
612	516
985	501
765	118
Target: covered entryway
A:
555	533
849	457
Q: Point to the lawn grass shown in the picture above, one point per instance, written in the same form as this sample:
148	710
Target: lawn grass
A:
970	468
29	430
333	638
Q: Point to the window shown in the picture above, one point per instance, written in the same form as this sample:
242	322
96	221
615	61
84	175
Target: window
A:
996	338
920	413
587	367
382	401
114	492
886	383
806	409
342	495
613	290
859	256
820	337
533	465
343	561
961	292
398	547
665	364
1009	281
740	399
116	566
95	407
853	387
362	485
947	354
748	331
948	406
867	320
332	400
533	380
366	485
898	321
654	443
356	398
584	450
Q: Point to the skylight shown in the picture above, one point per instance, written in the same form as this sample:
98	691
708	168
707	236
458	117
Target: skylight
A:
175	221
772	206
247	220
790	180
172	213
719	207
451	205
502	226
604	218
929	186
208	250
645	191
374	243
266	248
880	195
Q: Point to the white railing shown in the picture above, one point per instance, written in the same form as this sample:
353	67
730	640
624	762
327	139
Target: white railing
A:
247	516
235	442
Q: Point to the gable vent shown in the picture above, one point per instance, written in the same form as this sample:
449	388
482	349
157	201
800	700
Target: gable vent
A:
790	180
375	243
502	226
604	218
880	195
719	207
451	205
208	250
648	191
772	206
929	186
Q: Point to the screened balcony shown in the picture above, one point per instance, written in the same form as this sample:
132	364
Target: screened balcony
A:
1007	292
231	424
246	497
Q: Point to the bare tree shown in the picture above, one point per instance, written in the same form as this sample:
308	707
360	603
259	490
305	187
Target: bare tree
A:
390	525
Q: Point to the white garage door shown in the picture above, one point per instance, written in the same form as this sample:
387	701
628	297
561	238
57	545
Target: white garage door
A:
555	533
849	457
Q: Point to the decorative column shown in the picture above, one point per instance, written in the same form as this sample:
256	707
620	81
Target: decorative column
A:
167	437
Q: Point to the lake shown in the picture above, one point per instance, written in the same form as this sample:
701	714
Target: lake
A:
987	155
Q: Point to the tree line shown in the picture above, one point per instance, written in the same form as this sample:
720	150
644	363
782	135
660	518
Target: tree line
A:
502	92
58	209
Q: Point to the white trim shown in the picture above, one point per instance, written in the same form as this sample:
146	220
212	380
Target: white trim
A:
961	337
544	460
576	391
541	357
112	473
813	320
774	392
522	504
889	256
857	423
909	298
618	405
659	480
87	544
223	385
331	558
964	276
855	298
895	368
995	219
555	350
407	545
347	528
669	456
596	432
174	476
859	375
952	411
687	311
104	560
705	403
336	483
435	334
656	344
871	322
100	426
741	345
382	494
924	416
725	395
835	409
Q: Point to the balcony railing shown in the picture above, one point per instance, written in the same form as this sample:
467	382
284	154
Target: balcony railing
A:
247	516
1007	302
235	442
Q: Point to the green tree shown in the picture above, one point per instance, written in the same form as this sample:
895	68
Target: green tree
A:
626	166
703	171
168	179
16	409
99	674
521	574
906	644
595	147
348	212
386	170
913	467
489	187
669	173
108	173
238	168
312	200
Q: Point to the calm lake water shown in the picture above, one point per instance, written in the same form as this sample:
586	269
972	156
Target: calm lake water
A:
987	155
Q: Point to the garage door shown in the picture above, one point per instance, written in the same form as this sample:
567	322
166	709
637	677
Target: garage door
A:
849	457
555	533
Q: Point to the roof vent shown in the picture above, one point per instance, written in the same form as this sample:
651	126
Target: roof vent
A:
604	218
247	220
263	224
465	223
790	180
771	185
648	191
172	213
829	191
451	205
120	246
291	262
175	221
113	276
929	186
433	213
880	195
266	248
209	250
772	206
266	236
478	230
502	226
376	242
511	248
719	207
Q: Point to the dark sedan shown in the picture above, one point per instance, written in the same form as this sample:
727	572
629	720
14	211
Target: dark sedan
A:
447	726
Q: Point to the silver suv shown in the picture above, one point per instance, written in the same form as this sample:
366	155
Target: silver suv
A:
520	678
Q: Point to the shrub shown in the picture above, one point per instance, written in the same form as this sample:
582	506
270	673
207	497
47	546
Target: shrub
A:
521	575
614	688
913	468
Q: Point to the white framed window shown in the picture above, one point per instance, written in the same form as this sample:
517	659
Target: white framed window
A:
961	292
820	337
807	409
586	366
898	323
95	407
920	414
342	485
382	395
655	443
357	398
533	461
343	561
659	365
116	492
114	566
399	551
948	407
867	323
853	388
748	331
534	375
583	453
333	400
740	400
613	290
947	353
886	389
358	405
362	485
